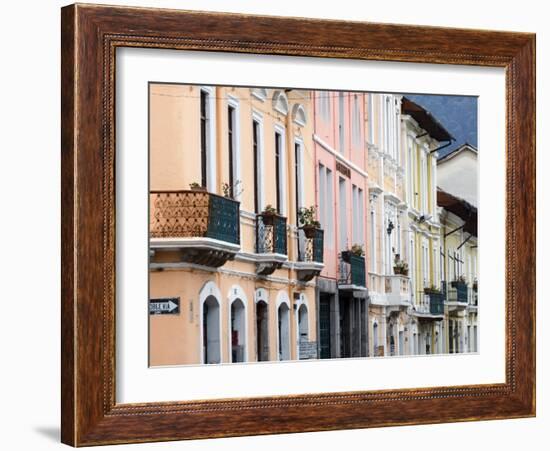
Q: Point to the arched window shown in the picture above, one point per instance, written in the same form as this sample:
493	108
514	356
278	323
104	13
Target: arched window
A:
283	313
299	115
238	331
261	323
280	102
211	330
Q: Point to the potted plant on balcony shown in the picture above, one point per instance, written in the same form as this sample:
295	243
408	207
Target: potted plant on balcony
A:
400	267
308	223
432	290
232	192
269	214
197	187
460	280
356	249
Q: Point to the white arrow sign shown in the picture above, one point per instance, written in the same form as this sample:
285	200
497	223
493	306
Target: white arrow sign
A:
164	306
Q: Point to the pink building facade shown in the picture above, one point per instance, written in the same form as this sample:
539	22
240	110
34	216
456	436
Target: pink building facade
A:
342	199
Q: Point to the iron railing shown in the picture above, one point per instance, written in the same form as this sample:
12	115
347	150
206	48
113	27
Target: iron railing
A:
351	269
437	306
271	234
192	214
310	249
457	292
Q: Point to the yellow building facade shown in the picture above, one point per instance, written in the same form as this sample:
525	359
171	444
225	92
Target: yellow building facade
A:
229	170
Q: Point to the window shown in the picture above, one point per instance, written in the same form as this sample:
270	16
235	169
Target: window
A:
343	227
324	105
372	238
356	122
326	203
341	122
370	118
357	215
256	162
298	174
231	137
204	121
278	171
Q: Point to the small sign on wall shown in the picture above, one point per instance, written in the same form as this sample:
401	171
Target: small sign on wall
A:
308	350
164	306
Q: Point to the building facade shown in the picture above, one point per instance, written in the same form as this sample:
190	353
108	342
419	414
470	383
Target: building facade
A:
457	202
389	281
230	169
342	199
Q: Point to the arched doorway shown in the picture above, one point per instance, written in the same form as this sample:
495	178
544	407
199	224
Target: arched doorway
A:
262	335
284	331
303	326
238	331
211	330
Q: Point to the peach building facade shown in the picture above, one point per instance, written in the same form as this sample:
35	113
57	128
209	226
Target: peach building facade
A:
230	169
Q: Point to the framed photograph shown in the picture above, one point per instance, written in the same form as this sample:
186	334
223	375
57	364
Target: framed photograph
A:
250	249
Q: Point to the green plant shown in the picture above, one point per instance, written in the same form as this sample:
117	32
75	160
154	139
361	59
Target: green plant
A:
269	210
306	217
232	191
195	185
400	267
357	249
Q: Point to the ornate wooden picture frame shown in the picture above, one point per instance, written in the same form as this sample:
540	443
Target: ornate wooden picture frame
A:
90	37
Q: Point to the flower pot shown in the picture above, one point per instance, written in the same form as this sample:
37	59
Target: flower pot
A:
268	218
309	231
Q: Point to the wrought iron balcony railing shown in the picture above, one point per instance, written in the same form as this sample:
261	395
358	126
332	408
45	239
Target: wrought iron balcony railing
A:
310	248
271	242
203	226
191	214
351	270
310	253
437	306
457	292
271	234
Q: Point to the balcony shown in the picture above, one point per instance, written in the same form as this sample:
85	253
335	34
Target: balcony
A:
457	293
310	253
203	227
271	243
396	289
351	272
432	305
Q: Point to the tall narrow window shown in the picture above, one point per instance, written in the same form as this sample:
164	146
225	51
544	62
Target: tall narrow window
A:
278	162
330	208
204	137
256	162
356	121
298	178
341	121
342	213
373	239
231	148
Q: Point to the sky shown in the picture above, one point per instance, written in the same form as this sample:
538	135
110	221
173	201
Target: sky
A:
458	114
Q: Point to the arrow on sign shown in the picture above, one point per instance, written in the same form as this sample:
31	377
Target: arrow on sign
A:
164	306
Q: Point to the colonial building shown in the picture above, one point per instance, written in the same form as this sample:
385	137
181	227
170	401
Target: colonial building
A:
457	199
230	169
342	198
423	137
388	281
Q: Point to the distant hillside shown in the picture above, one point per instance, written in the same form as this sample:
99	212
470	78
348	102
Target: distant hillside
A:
458	114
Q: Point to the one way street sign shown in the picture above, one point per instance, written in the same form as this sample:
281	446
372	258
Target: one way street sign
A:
164	306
